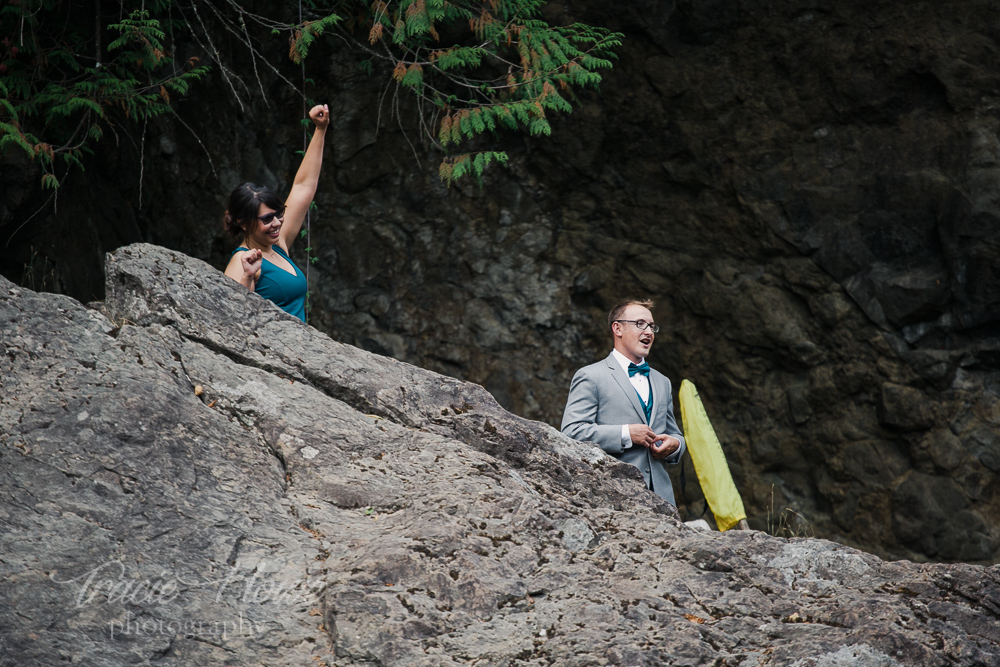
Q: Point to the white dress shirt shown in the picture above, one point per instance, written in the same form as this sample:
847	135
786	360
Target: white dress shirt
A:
641	384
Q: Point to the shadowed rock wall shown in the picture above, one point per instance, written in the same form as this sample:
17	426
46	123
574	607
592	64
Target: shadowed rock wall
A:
806	188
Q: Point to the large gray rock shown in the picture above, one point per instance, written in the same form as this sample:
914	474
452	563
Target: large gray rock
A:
808	189
318	504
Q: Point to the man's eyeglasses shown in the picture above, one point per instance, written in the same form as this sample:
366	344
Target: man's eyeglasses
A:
642	325
267	218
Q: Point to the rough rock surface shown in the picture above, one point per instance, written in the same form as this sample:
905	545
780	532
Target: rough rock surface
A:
808	188
313	503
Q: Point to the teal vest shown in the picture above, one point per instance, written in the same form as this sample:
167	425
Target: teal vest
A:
275	284
647	405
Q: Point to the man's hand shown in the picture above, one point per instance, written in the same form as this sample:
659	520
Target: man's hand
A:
664	445
642	435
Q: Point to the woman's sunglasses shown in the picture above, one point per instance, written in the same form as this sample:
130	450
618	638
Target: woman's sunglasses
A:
267	218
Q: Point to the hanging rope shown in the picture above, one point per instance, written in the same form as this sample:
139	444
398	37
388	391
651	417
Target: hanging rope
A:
305	147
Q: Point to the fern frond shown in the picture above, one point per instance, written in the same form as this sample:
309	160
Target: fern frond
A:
414	77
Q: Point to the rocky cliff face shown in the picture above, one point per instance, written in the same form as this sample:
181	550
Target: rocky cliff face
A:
199	479
806	188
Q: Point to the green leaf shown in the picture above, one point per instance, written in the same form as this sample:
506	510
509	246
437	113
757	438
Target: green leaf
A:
476	118
13	136
414	78
540	126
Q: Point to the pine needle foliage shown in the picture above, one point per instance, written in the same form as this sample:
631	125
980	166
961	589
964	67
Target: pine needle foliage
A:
304	35
62	90
476	67
506	70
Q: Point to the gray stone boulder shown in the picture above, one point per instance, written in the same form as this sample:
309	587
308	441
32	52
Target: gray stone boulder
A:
192	477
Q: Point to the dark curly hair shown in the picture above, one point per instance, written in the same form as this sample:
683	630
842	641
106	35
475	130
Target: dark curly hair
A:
244	206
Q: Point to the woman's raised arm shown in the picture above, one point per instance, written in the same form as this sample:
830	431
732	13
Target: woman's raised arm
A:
306	179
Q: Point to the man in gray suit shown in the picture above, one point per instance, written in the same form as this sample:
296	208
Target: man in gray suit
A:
624	406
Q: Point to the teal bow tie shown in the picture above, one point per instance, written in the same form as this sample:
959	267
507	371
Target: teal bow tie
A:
641	368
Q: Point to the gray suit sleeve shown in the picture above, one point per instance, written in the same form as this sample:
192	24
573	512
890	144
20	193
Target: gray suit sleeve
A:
580	416
672	428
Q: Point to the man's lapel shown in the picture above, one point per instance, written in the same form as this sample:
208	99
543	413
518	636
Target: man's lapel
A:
621	377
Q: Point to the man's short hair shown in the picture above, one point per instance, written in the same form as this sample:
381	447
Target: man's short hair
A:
616	312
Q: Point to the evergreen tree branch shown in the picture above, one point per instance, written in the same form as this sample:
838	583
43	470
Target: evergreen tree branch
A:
194	134
214	54
509	70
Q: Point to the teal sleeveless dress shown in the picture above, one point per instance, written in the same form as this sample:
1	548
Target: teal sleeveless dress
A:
277	285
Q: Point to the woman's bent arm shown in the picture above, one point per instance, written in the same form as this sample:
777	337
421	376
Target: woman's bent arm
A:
243	267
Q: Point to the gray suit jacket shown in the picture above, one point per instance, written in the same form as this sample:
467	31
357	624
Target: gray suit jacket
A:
601	399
